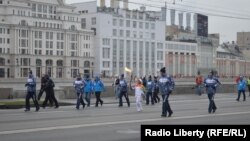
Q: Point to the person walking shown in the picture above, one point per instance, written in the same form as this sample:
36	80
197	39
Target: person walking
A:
156	91
49	89
31	93
78	89
211	83
116	86
42	90
241	88
98	89
199	81
138	87
248	84
123	91
166	86
150	90
88	89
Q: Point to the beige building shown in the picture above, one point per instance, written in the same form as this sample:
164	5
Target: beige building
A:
45	37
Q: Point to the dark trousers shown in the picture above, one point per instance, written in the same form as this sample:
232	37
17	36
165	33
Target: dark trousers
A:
156	97
40	95
79	101
126	97
211	105
165	105
98	98
248	89
50	94
87	98
149	94
27	100
239	93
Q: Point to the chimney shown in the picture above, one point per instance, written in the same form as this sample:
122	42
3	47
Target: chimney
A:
181	20
125	4
102	3
188	18
172	13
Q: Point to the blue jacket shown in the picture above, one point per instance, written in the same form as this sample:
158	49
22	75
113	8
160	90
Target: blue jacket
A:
211	84
88	86
31	85
166	85
98	85
242	85
150	86
123	86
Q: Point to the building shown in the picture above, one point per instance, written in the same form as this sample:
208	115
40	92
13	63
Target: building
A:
231	61
134	39
243	40
45	37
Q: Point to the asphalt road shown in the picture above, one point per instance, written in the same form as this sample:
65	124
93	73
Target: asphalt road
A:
110	123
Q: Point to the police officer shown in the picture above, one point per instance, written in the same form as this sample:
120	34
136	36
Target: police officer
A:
49	89
78	89
211	83
150	90
42	90
123	90
166	85
31	92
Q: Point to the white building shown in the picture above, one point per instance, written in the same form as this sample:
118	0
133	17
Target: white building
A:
134	39
45	37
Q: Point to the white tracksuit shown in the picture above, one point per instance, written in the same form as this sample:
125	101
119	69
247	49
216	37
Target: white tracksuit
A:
138	96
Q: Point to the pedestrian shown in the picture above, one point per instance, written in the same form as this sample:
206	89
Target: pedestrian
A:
198	81
49	89
78	89
116	85
150	90
138	87
98	89
31	92
88	89
42	90
144	81
241	88
211	83
156	91
166	85
123	91
248	84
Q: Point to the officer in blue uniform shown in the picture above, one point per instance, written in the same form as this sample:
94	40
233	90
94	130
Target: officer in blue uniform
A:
211	83
31	92
98	89
166	85
88	89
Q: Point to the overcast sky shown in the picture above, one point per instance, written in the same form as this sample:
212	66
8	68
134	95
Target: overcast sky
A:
215	9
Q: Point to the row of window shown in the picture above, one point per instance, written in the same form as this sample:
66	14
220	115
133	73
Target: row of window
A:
4	31
4	50
4	41
134	24
140	35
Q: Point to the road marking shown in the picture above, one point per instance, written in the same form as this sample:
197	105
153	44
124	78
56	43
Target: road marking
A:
111	123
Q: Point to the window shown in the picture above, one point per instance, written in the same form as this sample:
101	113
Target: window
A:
127	33
105	41
134	34
147	25
114	32
141	35
121	22
114	22
105	53
8	41
141	25
152	26
8	31
127	23
121	33
93	21
83	23
105	64
152	36
134	24
159	55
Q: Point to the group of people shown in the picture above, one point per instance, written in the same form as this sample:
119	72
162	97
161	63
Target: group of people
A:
149	89
47	86
85	87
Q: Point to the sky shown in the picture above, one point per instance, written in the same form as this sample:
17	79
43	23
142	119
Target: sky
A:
226	17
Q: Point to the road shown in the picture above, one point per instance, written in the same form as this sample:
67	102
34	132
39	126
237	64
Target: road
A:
111	123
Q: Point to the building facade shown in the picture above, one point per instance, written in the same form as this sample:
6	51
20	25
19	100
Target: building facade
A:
45	37
134	39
